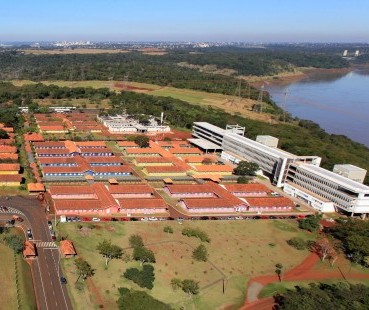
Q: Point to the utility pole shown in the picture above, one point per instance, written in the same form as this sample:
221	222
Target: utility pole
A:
286	92
260	98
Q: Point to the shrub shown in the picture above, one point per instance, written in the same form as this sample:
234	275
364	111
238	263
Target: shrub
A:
297	243
197	233
143	278
200	253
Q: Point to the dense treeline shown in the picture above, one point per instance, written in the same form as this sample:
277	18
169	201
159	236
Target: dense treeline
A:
260	61
136	66
164	69
325	297
306	138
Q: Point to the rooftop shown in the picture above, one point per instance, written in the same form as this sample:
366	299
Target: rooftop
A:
336	178
211	127
247	188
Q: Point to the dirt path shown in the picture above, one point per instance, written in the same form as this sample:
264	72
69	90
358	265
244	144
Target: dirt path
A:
304	271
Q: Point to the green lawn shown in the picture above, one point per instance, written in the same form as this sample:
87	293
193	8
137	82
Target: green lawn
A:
10	266
238	249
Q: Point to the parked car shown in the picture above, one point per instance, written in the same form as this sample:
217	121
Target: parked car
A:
256	217
204	218
114	219
95	219
144	219
153	219
230	218
63	280
238	218
162	218
272	217
50	224
17	218
29	234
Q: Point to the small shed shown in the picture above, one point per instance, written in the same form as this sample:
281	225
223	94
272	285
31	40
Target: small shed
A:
67	249
29	250
36	188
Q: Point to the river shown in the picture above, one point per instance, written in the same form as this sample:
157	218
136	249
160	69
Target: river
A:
338	103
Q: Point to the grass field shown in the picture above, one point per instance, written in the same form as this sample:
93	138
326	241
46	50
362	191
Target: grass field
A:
230	104
238	250
8	290
9	266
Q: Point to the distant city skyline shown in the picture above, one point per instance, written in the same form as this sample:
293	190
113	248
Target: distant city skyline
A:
190	20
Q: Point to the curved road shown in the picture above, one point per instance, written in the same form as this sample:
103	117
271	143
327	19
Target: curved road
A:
50	293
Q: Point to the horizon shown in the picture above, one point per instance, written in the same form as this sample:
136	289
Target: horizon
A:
207	21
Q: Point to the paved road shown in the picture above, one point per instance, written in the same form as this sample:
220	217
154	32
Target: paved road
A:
50	293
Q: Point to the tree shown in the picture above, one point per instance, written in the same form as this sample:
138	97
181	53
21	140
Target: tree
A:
242	180
278	271
138	300
15	242
200	253
143	255
311	223
207	161
84	269
176	284
246	168
191	287
109	251
144	278
135	241
325	296
322	247
168	229
142	141
3	134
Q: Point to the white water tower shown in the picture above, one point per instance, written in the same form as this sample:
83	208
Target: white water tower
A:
357	53
344	53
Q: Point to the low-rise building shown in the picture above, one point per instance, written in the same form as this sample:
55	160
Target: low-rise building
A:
248	190
67	249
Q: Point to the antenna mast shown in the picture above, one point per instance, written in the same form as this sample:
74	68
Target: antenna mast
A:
286	92
260	98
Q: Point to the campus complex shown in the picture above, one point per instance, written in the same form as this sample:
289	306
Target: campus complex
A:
300	176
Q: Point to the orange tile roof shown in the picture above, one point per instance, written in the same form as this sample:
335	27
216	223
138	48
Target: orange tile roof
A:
51	128
190	188
10	178
142	203
63	169
56	160
154	159
33	136
35	187
49	144
71	146
73	204
207	176
130	189
199	203
105	197
8	149
103	159
270	202
186	150
213	168
247	188
6	141
67	247
9	167
112	169
147	150
29	249
11	156
70	190
164	169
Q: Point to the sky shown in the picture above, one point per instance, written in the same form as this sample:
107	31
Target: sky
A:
185	20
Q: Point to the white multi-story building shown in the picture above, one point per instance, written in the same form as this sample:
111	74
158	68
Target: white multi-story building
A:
128	124
272	161
318	186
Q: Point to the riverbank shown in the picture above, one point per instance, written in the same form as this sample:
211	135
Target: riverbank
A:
291	77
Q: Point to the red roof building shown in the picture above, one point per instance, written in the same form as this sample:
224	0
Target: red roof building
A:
248	190
270	204
67	249
131	191
29	250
